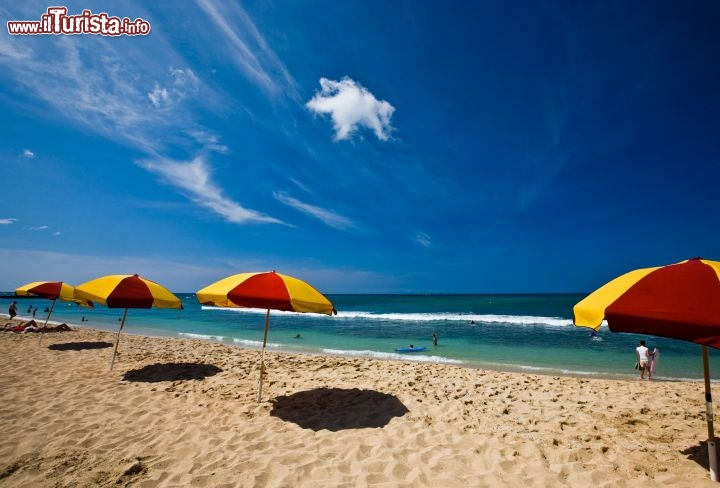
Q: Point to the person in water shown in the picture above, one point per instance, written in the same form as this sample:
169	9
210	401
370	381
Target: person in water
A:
642	359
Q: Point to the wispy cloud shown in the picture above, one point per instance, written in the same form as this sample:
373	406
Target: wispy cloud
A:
182	83
194	179
39	227
300	185
97	95
208	139
8	221
350	106
423	239
27	153
247	48
139	95
158	96
328	217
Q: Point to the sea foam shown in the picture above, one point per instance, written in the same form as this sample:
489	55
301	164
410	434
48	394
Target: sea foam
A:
390	355
479	319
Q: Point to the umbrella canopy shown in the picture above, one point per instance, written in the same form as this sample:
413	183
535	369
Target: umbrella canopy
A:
268	290
680	301
52	290
127	291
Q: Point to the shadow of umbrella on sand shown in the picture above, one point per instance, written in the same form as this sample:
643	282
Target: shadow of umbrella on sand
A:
159	372
679	301
52	290
267	291
79	346
126	291
337	409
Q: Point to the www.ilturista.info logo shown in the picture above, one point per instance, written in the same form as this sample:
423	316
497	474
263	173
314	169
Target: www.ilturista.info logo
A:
57	21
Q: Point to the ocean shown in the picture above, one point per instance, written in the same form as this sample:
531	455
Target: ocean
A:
530	333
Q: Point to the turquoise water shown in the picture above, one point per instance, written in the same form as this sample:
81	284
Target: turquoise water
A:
531	333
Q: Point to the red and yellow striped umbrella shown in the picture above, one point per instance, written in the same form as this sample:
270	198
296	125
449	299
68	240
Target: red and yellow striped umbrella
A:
680	301
268	290
126	291
52	290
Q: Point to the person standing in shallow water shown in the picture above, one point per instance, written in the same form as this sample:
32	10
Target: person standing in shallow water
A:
12	310
434	339
642	355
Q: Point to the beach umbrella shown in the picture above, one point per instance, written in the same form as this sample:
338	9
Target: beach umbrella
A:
267	290
126	291
52	290
680	301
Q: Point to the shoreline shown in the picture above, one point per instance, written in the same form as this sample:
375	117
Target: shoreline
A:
184	412
350	354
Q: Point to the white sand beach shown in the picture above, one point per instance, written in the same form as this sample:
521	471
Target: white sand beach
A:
184	413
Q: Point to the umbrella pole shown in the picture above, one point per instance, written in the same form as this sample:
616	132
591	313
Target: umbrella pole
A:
42	331
117	340
712	453
262	356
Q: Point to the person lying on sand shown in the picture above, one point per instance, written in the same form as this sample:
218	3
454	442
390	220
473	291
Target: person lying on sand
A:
19	327
31	327
57	328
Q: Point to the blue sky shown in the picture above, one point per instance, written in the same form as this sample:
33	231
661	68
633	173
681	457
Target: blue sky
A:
364	146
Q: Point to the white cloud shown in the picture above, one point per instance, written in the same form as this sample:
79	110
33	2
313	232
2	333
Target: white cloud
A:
351	105
183	83
209	140
8	221
158	96
328	217
194	179
423	239
27	153
40	227
184	79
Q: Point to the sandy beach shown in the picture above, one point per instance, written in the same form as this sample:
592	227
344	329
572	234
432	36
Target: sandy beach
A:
184	413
